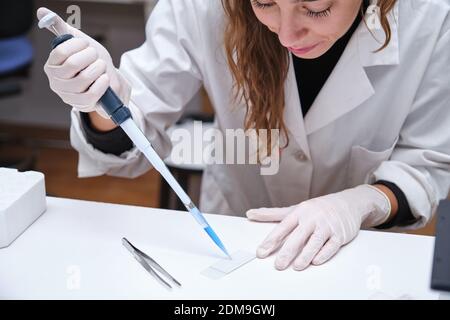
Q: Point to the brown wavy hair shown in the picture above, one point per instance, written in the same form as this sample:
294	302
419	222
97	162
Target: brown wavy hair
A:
252	52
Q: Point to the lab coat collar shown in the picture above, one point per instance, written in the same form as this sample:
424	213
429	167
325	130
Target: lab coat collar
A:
370	40
348	86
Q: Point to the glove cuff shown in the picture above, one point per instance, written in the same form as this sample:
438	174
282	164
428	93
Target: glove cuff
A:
380	209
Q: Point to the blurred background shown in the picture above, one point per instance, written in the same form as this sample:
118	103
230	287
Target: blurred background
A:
34	122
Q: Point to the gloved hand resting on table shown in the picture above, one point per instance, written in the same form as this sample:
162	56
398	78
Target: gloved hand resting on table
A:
313	231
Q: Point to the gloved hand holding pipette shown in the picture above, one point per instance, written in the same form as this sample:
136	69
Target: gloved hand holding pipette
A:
81	72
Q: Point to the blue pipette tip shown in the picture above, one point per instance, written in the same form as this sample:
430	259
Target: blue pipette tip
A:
216	240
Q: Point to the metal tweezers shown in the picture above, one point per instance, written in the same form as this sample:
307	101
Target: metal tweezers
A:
148	264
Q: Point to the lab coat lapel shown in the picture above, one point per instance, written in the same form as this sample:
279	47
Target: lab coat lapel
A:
293	116
348	85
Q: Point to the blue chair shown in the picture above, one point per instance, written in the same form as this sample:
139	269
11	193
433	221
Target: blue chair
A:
16	56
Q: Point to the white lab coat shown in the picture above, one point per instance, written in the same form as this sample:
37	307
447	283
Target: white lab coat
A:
380	116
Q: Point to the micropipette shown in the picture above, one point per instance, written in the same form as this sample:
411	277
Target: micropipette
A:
121	116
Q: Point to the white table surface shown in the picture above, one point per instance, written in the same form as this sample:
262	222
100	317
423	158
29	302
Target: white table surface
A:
74	251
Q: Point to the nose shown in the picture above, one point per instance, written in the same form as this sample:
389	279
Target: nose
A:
291	29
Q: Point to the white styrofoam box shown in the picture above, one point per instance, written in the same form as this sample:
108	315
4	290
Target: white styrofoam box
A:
22	201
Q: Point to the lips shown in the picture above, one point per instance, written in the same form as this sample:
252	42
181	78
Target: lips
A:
303	50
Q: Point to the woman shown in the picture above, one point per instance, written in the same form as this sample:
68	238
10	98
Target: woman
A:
359	91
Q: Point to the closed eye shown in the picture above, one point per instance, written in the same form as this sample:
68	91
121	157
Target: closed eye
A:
309	13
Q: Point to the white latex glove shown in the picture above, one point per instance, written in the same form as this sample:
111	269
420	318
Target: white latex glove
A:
314	230
80	70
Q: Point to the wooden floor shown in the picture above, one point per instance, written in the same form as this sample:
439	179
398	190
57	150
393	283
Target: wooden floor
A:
60	168
59	164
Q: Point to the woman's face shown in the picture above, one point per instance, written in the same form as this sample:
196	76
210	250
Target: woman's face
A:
308	28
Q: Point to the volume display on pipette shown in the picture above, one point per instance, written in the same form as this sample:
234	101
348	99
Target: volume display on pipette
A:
121	115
